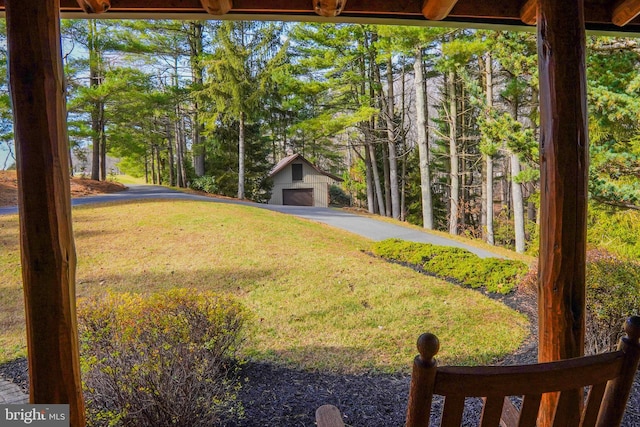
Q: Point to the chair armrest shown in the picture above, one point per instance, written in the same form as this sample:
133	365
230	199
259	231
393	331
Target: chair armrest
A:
329	416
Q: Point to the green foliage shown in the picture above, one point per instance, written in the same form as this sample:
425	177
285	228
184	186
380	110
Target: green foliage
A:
205	183
337	197
166	359
495	275
612	293
614	229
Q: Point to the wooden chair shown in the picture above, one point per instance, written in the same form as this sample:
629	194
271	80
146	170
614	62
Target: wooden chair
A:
609	377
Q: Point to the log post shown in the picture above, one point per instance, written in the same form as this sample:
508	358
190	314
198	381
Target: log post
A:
564	173
48	256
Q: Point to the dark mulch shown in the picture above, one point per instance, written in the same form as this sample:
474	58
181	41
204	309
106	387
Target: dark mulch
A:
273	395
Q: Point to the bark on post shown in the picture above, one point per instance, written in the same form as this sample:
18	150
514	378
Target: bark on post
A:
564	169
47	247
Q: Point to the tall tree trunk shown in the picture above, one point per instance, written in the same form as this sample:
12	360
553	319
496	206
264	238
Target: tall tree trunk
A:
197	73
48	255
241	154
171	156
518	204
516	193
376	179
422	115
391	142
371	203
454	195
103	145
489	234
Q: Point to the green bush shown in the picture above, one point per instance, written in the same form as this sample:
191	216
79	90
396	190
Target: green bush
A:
166	359
205	183
337	197
612	294
457	264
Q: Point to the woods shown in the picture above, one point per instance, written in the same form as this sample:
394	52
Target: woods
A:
434	126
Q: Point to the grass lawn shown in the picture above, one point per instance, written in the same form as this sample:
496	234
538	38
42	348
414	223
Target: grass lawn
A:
318	301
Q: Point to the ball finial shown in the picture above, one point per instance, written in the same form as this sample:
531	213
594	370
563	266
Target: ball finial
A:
632	328
428	346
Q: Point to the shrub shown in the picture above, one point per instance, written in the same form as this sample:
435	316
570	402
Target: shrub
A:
205	183
457	264
612	294
337	197
167	359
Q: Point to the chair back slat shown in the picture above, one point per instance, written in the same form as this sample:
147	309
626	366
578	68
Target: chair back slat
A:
566	414
594	402
491	411
529	410
453	411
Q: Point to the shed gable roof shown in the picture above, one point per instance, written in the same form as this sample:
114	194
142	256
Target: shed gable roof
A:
290	159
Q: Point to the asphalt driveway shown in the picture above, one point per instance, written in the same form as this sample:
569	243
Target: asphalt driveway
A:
365	226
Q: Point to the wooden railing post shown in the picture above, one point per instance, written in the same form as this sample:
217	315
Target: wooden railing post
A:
422	381
46	239
617	392
564	173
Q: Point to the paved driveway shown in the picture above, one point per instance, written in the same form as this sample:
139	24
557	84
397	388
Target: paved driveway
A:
365	226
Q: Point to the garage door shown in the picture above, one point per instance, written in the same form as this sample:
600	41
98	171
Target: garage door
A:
298	197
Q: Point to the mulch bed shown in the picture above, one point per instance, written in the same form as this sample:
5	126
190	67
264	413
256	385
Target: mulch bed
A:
277	396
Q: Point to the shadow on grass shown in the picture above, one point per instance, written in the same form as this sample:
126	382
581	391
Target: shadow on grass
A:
236	280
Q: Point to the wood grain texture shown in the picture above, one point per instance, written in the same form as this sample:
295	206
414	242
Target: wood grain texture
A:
328	7
564	169
328	416
217	7
437	10
529	12
625	11
47	247
94	6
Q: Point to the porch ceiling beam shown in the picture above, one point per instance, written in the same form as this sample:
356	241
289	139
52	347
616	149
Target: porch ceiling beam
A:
437	10
94	6
217	7
624	11
529	12
564	166
328	8
47	250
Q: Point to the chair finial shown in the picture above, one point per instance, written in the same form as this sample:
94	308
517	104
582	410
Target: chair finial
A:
428	346
632	328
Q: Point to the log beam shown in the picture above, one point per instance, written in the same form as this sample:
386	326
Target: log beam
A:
46	239
564	169
94	6
624	11
529	12
217	7
328	8
437	10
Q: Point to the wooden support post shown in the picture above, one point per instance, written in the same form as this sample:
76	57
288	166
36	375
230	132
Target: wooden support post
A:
564	173
47	248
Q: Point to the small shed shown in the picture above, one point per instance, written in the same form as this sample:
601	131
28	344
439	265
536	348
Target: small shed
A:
298	182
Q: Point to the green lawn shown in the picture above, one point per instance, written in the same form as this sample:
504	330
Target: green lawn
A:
317	299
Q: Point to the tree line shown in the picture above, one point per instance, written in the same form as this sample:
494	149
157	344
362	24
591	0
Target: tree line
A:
434	126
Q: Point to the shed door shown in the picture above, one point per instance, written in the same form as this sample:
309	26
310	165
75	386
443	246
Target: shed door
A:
298	197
